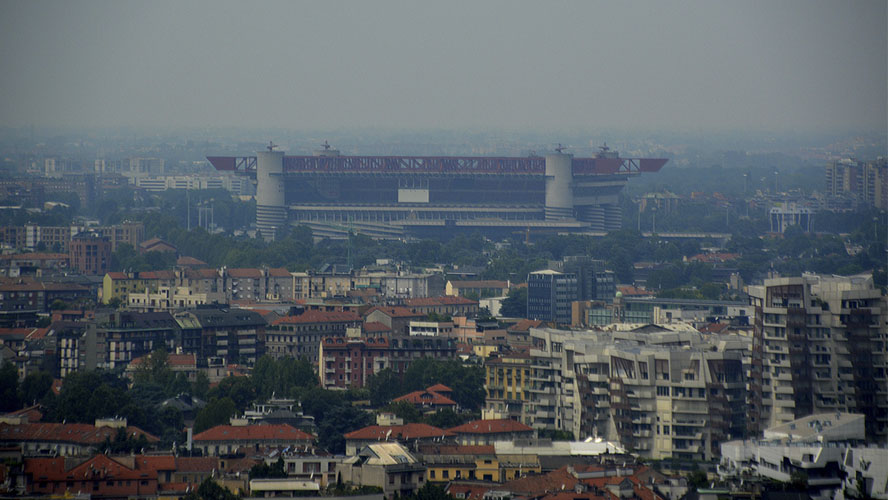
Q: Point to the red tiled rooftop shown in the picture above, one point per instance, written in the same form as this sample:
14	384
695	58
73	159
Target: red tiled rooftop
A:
117	275
425	398
489	427
172	360
315	316
524	325
394	432
376	327
445	300
245	273
439	388
279	272
253	433
157	275
394	312
84	434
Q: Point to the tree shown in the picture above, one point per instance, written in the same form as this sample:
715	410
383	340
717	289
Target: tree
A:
264	470
216	412
405	411
383	386
9	388
211	490
515	304
35	386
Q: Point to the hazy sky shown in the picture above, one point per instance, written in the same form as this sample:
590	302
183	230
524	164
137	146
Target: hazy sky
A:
692	65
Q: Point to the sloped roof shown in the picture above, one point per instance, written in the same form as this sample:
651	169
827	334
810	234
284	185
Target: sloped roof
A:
250	272
480	284
116	275
172	360
394	312
490	427
101	466
262	432
315	316
83	434
532	486
376	327
33	413
395	432
524	325
387	454
189	261
157	275
439	388
446	300
426	398
279	272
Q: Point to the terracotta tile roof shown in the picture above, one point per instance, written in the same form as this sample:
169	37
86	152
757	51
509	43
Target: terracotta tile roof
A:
172	360
426	398
35	256
245	273
441	388
445	300
572	495
480	284
376	327
33	413
83	434
277	432
533	486
157	275
490	427
156	462
117	275
207	273
404	432
279	272
467	491
53	469
315	316
394	312
458	449
524	325
189	261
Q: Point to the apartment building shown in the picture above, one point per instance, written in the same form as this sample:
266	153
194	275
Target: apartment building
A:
300	336
819	346
90	254
549	294
659	392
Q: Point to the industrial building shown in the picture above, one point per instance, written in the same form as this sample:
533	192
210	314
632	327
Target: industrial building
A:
398	196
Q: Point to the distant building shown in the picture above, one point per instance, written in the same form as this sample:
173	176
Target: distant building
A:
790	214
549	294
90	254
227	439
865	182
300	336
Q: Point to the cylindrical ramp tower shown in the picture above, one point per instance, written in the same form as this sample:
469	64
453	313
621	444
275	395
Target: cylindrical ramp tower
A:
559	189
271	210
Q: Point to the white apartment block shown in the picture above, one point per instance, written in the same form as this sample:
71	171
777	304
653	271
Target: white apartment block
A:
660	394
819	346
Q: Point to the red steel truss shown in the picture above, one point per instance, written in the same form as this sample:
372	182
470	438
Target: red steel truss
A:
532	165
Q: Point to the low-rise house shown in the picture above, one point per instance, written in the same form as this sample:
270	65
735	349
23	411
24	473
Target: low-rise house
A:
386	465
320	469
185	364
406	434
396	318
227	439
433	398
490	431
100	477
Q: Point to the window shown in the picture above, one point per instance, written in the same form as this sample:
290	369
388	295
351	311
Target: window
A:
432	473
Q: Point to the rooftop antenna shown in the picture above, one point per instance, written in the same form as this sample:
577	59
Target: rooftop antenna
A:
560	148
271	146
604	148
326	145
